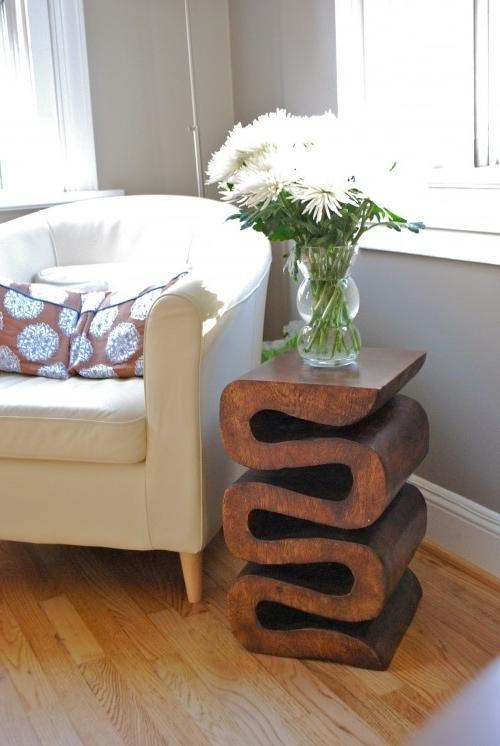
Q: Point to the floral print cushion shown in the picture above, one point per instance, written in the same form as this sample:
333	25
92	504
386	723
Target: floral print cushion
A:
48	331
109	339
36	327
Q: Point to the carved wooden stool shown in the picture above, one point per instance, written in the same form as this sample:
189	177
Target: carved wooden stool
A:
324	517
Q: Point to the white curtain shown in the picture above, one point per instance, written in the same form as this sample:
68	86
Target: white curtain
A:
46	138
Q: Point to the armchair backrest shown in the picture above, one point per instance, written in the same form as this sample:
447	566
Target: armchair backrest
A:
147	228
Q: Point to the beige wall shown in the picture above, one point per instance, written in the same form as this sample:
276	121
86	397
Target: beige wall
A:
451	309
283	55
140	90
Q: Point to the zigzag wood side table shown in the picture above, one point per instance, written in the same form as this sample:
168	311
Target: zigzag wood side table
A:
324	517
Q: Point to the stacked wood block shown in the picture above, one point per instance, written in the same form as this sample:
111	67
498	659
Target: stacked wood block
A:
324	516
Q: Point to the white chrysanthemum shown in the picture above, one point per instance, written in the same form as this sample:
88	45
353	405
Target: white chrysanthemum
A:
397	188
318	200
244	145
226	161
139	366
262	183
323	181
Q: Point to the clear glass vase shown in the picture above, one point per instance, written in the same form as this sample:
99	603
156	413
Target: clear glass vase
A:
328	301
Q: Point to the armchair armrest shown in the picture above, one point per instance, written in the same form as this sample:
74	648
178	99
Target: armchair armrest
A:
201	333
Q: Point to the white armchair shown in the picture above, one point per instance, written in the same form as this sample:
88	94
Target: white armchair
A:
131	463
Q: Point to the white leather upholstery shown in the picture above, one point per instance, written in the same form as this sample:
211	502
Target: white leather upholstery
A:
126	463
75	420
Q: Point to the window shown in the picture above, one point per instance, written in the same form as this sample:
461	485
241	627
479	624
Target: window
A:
46	135
428	75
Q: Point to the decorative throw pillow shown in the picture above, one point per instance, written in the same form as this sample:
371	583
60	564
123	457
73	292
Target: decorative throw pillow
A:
36	327
109	339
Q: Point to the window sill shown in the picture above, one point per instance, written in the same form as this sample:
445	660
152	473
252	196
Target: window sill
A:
30	202
463	224
459	245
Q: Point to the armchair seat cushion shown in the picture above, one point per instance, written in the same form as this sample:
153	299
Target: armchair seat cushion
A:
74	420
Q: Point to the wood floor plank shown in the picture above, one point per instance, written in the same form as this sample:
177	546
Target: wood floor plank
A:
121	704
200	701
327	715
240	687
44	710
92	592
82	709
98	647
53	726
73	633
193	694
169	667
15	727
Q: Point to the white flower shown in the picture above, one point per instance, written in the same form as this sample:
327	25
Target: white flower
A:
320	162
319	200
245	144
262	182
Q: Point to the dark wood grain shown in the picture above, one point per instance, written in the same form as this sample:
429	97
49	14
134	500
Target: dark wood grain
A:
259	529
263	625
381	452
323	516
273	439
337	398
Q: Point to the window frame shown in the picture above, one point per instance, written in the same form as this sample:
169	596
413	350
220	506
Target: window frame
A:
463	220
59	50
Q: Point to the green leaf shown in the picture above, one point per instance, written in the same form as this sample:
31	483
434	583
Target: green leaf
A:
415	227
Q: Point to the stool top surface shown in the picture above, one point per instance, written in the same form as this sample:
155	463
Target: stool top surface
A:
376	368
330	396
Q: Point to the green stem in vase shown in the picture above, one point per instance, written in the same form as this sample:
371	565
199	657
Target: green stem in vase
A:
330	332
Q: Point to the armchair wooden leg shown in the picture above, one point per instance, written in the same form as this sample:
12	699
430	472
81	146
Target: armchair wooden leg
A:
192	570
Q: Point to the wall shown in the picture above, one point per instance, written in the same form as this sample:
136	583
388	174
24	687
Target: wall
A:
140	90
449	308
283	55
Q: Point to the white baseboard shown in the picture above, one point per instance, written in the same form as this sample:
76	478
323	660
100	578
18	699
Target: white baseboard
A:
462	526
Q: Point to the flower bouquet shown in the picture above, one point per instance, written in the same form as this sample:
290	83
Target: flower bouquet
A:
307	180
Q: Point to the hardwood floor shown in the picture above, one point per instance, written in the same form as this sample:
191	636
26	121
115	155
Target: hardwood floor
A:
97	646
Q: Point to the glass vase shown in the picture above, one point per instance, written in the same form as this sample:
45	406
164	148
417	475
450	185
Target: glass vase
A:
328	301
